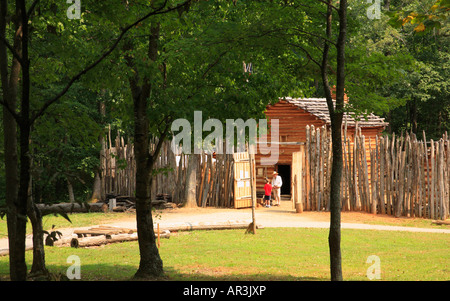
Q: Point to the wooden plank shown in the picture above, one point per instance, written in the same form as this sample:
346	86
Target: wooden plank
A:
203	171
308	169
252	226
373	185
317	166
297	183
345	181
447	175
366	175
432	180
382	175
441	185
242	191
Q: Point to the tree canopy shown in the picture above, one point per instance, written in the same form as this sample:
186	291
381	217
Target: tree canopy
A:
138	65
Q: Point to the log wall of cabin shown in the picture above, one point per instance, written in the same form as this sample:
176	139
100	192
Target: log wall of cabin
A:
292	129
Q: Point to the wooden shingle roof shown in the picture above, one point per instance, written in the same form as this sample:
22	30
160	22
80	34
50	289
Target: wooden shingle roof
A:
318	107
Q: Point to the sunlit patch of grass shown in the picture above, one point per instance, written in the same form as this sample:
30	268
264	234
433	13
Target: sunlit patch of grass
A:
271	254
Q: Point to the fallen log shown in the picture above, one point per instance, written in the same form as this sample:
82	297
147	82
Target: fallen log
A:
441	222
46	209
187	226
113	228
77	242
62	242
120	209
107	231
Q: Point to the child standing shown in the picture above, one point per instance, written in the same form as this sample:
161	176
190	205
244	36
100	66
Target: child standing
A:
267	192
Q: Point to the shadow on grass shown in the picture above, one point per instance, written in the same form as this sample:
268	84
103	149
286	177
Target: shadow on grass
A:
175	275
104	272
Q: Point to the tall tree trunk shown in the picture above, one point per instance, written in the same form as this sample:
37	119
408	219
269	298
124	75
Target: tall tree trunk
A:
334	238
16	217
336	115
150	264
97	186
22	200
24	142
11	172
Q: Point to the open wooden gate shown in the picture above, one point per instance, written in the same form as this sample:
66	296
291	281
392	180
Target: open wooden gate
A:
297	181
242	178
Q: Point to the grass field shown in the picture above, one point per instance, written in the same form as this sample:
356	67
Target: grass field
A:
271	254
88	219
76	220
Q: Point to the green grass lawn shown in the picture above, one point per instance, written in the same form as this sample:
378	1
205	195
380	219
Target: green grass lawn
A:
271	254
77	220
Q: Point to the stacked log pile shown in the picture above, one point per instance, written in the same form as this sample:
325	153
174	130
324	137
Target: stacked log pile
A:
102	235
105	235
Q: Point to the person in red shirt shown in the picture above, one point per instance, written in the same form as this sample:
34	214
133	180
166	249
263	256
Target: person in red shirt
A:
267	192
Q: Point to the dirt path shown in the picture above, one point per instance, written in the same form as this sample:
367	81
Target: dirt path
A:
283	216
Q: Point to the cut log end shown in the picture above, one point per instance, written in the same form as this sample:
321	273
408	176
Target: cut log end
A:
74	243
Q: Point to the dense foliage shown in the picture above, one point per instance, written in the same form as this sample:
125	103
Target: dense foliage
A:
400	72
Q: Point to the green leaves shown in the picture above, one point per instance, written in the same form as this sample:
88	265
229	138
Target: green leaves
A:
434	17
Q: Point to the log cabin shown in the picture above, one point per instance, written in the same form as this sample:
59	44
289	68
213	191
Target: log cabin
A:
294	116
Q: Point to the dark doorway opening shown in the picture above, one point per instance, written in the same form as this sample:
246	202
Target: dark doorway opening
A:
285	173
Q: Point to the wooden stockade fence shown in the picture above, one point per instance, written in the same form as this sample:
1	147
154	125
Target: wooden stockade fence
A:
215	185
398	175
214	175
118	168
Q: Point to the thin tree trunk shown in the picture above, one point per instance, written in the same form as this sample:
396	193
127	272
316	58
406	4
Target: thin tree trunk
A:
16	201
413	115
9	90
38	266
97	186
336	114
334	238
24	141
191	182
70	191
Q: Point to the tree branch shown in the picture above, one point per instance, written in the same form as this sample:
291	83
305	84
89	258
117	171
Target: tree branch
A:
307	54
211	65
13	114
340	82
327	39
30	10
13	51
324	73
329	5
161	138
158	11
